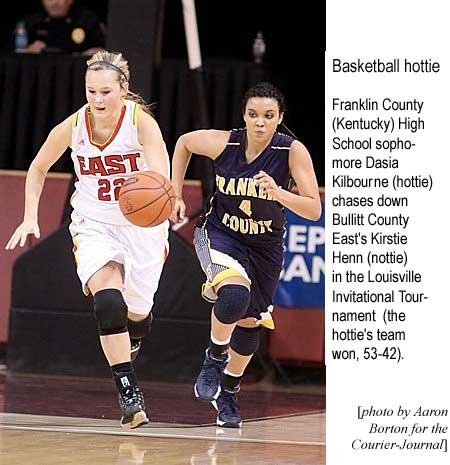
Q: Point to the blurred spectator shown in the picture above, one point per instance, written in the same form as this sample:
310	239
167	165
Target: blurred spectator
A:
61	27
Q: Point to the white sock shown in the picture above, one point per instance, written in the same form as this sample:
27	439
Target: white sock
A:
227	372
220	343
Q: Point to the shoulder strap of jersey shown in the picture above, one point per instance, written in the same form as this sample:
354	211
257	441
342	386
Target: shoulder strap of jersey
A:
75	119
78	116
136	108
282	141
236	137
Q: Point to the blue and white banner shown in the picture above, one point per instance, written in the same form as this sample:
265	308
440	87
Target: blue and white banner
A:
302	280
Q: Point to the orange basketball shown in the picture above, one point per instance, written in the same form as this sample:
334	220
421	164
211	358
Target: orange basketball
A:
146	198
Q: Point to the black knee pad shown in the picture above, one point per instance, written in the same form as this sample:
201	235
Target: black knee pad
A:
140	329
110	311
231	304
245	341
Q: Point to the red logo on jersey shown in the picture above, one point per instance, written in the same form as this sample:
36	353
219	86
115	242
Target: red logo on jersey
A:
110	164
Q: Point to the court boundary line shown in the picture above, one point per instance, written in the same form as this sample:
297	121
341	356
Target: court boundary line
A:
187	425
160	435
287	415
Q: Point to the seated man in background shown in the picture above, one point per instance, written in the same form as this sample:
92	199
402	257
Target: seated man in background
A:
61	27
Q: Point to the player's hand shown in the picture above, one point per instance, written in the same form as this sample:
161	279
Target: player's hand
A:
178	211
267	183
21	233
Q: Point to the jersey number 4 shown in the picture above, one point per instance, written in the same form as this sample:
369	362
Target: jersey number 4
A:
105	188
246	207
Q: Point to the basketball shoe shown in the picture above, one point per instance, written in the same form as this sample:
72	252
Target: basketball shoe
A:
207	386
131	401
135	347
228	414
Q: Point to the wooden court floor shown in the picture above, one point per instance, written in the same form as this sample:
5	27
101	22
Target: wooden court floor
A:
70	421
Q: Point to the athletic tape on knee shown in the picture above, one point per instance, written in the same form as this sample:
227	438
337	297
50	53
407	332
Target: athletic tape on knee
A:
110	311
232	303
140	329
245	341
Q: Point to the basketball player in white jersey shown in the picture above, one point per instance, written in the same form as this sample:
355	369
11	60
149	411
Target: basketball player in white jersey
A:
120	264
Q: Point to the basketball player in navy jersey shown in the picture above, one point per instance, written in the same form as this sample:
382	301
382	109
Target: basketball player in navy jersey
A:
239	239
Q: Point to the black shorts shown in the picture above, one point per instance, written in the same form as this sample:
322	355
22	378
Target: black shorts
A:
222	256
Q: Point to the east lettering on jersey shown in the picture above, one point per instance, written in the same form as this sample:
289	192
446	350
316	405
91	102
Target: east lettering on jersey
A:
108	165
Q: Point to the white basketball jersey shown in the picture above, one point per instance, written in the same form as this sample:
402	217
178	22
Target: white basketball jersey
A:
101	169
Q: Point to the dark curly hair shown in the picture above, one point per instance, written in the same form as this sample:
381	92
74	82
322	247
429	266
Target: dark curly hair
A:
265	90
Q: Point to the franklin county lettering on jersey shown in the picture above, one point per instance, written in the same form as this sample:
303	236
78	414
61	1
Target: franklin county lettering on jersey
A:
244	187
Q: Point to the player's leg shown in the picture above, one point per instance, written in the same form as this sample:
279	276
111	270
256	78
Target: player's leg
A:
147	249
139	327
244	343
99	255
147	252
111	314
110	311
233	297
224	261
264	272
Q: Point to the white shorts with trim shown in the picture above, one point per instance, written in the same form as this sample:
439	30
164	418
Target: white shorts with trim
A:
141	251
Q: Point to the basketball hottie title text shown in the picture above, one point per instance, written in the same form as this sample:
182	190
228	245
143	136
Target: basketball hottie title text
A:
396	65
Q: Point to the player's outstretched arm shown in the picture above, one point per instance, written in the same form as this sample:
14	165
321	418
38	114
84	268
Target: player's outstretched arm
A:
207	142
56	144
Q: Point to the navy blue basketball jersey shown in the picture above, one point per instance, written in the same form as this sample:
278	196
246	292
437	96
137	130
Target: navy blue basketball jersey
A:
238	206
